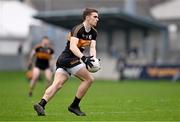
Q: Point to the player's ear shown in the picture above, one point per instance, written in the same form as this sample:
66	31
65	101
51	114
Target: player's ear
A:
87	17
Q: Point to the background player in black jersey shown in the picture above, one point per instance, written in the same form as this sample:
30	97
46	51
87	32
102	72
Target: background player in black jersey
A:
41	55
70	62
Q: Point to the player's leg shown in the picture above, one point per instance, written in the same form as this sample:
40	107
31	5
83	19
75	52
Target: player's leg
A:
35	76
48	76
59	79
87	79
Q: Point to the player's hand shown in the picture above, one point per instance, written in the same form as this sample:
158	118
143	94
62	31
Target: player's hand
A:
87	60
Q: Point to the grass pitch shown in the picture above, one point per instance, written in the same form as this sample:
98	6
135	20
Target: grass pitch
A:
105	101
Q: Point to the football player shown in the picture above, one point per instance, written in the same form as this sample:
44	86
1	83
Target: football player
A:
43	54
70	62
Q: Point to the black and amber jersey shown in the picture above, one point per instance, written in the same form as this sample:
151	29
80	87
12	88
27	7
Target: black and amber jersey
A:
43	55
67	58
83	36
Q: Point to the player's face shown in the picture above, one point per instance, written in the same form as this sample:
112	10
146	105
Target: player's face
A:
45	42
93	19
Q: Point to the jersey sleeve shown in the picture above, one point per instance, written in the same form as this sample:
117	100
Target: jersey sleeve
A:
37	48
76	31
52	51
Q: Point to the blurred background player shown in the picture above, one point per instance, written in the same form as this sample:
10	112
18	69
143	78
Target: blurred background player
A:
41	55
81	36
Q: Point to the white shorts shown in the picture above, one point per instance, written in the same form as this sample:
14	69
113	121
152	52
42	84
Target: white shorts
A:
72	70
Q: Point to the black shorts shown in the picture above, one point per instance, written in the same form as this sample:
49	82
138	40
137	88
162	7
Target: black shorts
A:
42	64
67	61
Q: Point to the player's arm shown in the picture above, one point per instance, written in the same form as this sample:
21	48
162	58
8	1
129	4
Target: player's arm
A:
93	48
73	47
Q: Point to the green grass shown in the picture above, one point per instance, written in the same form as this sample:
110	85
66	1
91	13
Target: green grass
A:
105	101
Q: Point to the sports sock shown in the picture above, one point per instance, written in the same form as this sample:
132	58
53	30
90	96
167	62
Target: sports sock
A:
76	102
43	103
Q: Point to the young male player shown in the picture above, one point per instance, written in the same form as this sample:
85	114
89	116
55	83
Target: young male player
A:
42	53
70	62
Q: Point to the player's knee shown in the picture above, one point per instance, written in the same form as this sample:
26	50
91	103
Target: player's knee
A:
34	78
48	78
90	80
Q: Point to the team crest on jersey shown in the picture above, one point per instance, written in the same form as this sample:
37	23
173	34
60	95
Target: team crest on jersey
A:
90	37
